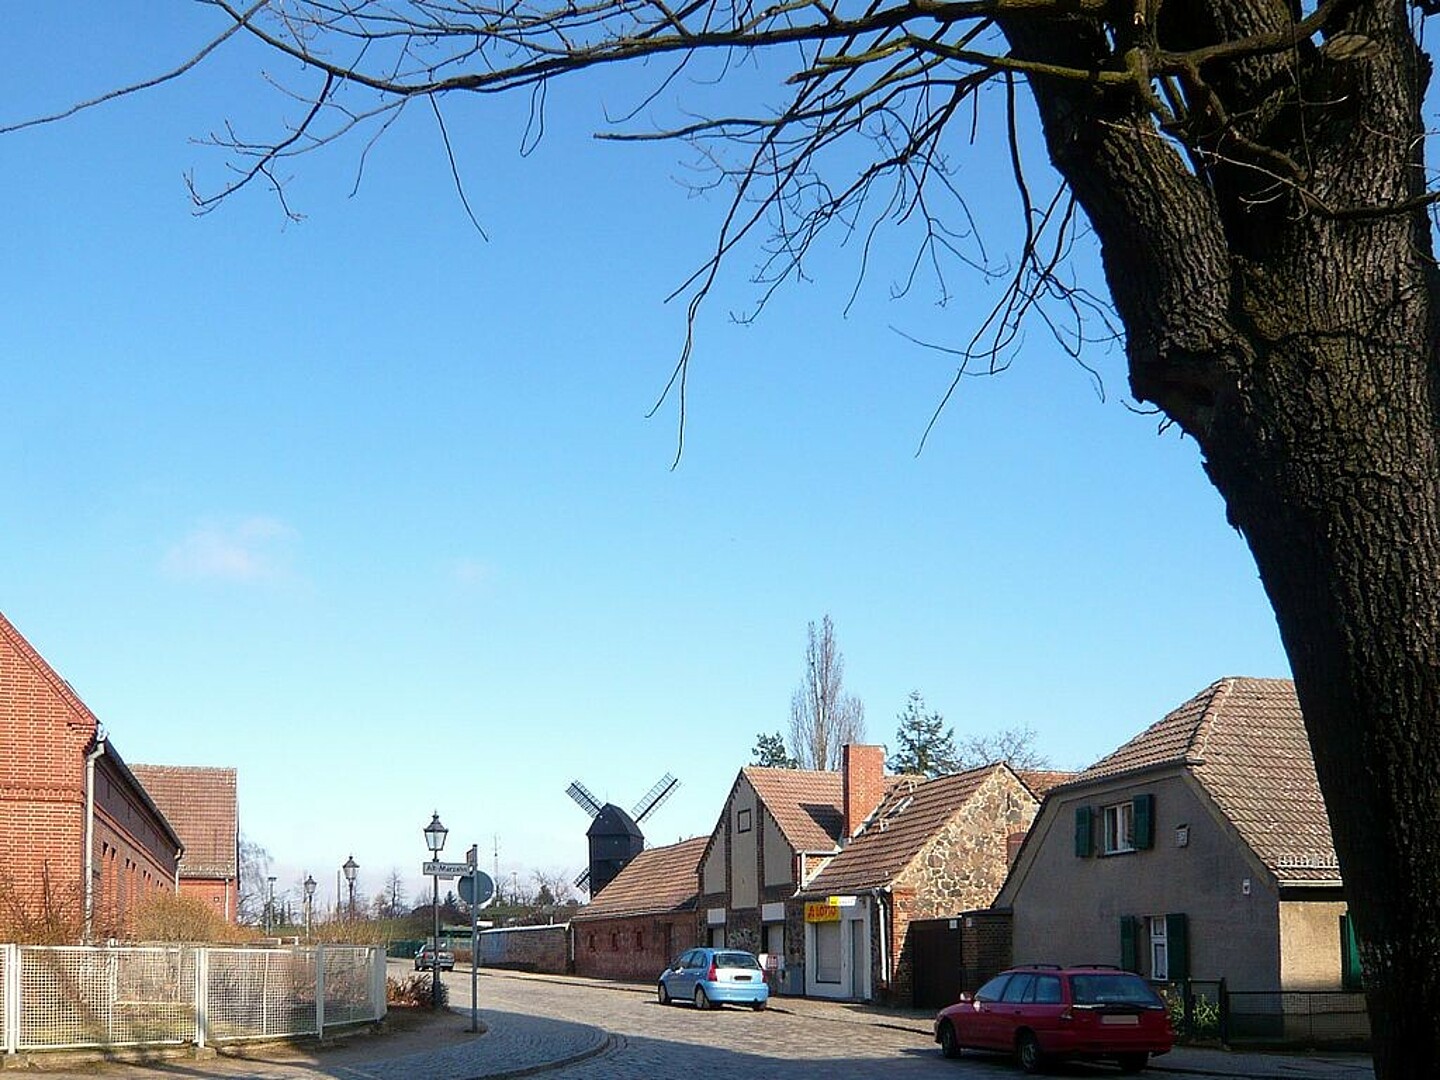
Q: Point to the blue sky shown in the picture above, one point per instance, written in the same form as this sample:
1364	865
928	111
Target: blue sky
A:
368	506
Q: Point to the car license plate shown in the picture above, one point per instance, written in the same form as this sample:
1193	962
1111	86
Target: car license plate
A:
1123	1019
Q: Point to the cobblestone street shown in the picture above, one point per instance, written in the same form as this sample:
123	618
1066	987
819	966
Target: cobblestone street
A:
574	1029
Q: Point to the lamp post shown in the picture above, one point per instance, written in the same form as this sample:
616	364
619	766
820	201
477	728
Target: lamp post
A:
435	840
350	868
270	907
309	903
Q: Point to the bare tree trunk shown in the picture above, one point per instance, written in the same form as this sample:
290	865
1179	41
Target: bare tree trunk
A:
823	718
1294	337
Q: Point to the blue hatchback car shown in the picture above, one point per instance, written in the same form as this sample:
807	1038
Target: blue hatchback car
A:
711	977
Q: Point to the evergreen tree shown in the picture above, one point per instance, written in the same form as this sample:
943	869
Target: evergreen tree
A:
769	752
926	746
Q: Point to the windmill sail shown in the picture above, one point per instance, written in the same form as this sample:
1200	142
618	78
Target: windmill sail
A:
583	798
663	789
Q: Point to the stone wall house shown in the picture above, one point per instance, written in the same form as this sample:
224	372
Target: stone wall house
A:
1199	850
643	919
931	848
81	842
200	802
778	829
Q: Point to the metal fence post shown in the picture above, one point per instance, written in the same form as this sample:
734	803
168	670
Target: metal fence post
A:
12	998
320	991
377	984
202	996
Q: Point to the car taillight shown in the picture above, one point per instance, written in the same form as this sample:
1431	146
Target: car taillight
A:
710	975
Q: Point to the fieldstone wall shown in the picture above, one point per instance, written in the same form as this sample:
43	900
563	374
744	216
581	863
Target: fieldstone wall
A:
527	948
960	870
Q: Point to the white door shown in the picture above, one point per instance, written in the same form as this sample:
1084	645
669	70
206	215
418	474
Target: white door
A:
859	958
827	956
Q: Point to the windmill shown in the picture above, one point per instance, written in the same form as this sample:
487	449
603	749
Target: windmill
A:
615	836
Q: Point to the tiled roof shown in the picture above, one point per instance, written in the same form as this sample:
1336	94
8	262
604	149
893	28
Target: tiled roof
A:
805	804
1040	781
200	802
658	879
911	814
1244	740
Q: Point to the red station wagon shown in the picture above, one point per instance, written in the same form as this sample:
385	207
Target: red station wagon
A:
1044	1013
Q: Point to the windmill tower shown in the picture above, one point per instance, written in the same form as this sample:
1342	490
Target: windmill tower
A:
614	836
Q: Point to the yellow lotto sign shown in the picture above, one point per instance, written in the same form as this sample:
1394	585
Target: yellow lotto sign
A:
823	911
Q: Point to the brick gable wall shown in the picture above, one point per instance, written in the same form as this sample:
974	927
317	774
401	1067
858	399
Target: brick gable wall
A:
46	732
43	742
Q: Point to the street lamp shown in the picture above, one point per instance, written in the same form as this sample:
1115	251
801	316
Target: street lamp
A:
270	907
309	903
435	840
350	868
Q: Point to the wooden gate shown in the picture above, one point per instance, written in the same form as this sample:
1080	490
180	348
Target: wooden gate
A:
938	961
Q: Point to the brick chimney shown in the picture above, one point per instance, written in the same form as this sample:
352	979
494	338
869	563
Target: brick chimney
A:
862	776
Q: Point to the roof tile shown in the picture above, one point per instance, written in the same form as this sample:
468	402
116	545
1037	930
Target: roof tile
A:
200	803
657	880
1245	742
911	814
805	804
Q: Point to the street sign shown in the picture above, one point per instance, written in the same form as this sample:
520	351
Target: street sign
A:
476	887
445	869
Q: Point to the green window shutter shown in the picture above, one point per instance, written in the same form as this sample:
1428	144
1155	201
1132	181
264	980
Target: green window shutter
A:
1144	811
1177	946
1084	832
1130	943
1351	972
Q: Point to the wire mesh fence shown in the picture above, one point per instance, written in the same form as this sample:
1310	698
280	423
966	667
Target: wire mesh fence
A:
55	998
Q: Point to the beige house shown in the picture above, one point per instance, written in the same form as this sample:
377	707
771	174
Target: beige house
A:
1198	850
777	830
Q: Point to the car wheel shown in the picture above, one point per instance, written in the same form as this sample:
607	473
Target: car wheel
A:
662	995
949	1044
701	1001
1133	1063
758	1006
1027	1052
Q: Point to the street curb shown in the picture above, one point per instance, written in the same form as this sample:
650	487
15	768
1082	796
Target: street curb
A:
606	1042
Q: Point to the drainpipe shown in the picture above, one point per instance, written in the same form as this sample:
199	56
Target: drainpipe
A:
90	760
879	897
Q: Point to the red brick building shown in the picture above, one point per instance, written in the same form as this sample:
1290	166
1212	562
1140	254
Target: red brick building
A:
644	918
81	841
200	802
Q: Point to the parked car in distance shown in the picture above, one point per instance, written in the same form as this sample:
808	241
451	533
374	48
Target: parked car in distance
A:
1046	1013
425	961
714	977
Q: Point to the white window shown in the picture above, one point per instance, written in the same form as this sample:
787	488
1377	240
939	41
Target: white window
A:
1119	828
1159	952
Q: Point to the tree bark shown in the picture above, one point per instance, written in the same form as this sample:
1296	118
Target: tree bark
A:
1294	337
